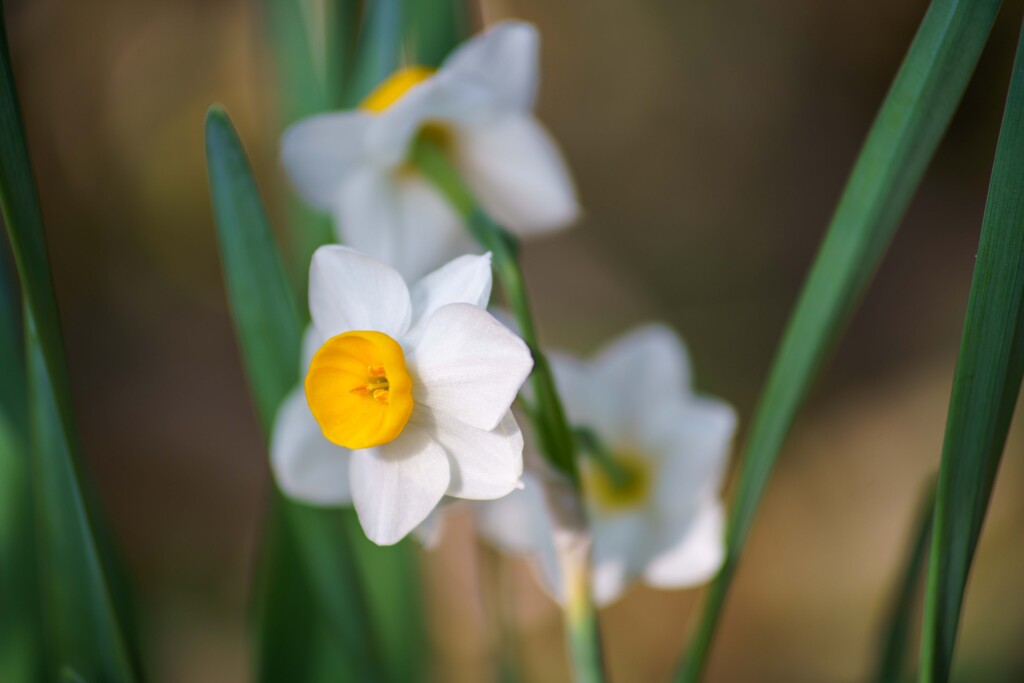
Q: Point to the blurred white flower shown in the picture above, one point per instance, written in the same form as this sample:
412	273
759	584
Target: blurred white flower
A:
662	521
407	393
477	106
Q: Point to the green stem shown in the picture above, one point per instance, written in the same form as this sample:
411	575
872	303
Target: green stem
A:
582	629
547	416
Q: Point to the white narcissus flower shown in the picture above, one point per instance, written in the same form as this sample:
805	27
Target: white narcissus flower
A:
478	107
664	523
407	393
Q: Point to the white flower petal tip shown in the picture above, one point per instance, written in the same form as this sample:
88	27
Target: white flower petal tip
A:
396	486
694	556
307	466
519	175
351	291
505	59
466	279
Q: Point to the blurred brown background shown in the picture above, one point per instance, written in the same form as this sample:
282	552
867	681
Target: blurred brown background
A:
710	142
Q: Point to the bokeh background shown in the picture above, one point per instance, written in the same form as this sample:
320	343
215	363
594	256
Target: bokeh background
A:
710	142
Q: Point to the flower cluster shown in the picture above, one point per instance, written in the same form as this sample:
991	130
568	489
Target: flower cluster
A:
409	382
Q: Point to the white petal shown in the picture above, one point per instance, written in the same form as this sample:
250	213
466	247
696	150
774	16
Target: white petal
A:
504	58
318	153
635	374
691	555
468	365
652	357
620	552
692	441
401	219
464	280
351	291
397	485
518	174
311	343
484	464
307	466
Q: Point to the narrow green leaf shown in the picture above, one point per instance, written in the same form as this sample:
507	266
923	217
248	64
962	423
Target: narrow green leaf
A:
266	316
432	29
86	629
85	621
985	388
333	556
902	141
13	392
379	49
896	632
21	642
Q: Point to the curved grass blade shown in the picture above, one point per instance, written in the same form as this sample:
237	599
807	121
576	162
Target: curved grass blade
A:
902	141
985	389
85	614
342	568
896	634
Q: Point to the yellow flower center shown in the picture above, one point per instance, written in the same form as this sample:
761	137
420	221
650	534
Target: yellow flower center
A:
625	484
394	88
359	389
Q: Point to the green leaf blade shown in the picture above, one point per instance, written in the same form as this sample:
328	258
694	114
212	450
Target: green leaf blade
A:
903	139
84	617
985	389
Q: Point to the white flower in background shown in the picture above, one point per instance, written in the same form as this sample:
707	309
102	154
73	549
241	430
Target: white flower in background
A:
478	105
407	393
663	521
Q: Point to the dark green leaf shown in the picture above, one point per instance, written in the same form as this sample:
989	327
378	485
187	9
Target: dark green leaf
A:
902	141
21	642
13	392
985	388
84	620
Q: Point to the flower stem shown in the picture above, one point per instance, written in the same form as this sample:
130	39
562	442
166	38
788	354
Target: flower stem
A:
546	413
549	416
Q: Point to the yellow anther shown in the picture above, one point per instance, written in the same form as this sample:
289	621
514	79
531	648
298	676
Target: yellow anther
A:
395	87
359	389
